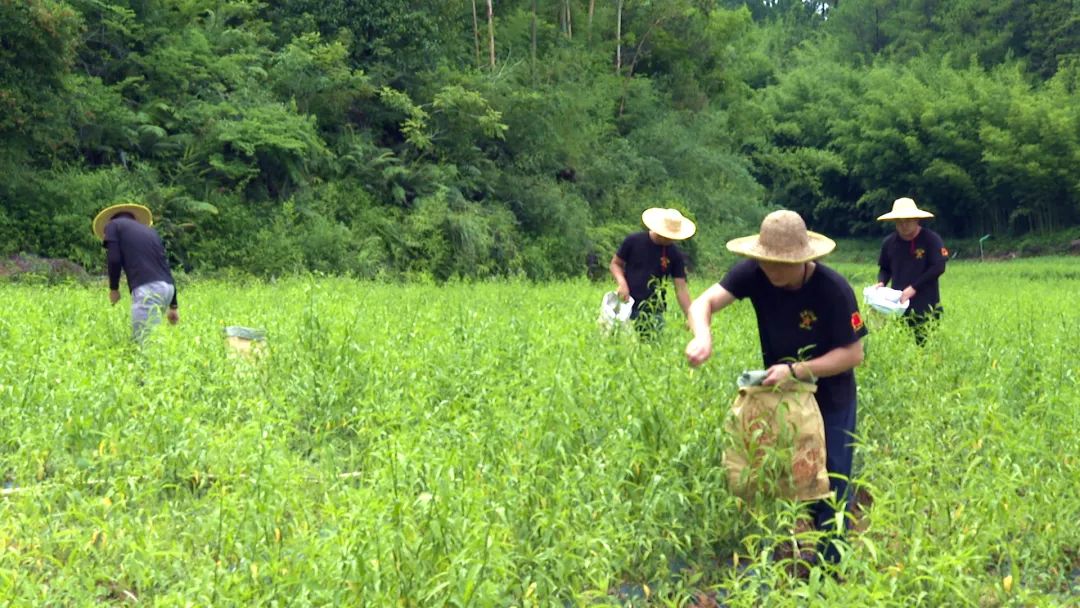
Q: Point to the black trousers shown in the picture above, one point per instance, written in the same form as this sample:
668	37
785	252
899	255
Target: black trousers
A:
922	323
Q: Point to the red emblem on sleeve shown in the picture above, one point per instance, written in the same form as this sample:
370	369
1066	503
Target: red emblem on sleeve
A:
856	321
944	252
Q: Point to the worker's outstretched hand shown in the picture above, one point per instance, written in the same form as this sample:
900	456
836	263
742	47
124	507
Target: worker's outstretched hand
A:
777	373
699	350
173	316
114	296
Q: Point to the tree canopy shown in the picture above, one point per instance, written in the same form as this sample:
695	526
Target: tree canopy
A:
375	137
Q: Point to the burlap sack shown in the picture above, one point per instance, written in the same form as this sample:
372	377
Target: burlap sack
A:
777	443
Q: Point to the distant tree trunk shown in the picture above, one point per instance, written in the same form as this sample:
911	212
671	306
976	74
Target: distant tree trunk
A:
568	19
618	36
641	44
533	34
491	33
592	9
633	62
476	32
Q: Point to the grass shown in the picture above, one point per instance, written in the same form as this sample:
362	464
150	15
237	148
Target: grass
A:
482	445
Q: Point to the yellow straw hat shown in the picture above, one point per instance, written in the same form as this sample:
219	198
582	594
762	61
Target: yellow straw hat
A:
141	214
783	238
668	223
905	209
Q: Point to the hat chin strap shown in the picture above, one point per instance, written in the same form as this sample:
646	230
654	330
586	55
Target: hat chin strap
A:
806	266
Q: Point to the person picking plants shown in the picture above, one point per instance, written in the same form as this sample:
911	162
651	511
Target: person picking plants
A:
914	258
809	328
642	262
135	248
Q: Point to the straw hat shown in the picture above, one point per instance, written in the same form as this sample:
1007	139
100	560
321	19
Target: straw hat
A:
904	209
668	223
142	215
783	238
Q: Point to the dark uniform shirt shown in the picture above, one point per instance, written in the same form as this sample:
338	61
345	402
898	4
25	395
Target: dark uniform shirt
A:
138	251
918	263
646	265
801	324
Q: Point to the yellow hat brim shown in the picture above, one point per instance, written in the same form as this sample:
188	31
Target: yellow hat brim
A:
818	246
653	218
917	214
141	214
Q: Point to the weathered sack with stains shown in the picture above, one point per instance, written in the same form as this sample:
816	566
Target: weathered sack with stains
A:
777	443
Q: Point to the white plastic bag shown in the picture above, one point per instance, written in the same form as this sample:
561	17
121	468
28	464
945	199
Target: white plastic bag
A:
751	377
614	312
884	300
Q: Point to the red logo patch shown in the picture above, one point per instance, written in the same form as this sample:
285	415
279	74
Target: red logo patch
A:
856	321
944	252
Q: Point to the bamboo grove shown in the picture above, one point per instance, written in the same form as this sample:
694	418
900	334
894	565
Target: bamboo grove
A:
515	137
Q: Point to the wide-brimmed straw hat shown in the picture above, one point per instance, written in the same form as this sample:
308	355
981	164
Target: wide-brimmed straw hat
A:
140	213
668	223
905	209
783	238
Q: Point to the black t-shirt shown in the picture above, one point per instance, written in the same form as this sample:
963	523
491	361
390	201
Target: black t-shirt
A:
918	263
646	265
138	250
819	316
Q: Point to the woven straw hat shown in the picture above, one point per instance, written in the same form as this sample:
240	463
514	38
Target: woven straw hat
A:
783	238
905	209
668	223
142	215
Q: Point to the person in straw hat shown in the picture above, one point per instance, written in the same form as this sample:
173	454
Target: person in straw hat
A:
642	262
913	258
809	328
135	248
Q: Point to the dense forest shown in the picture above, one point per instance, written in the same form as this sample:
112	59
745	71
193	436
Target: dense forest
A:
470	138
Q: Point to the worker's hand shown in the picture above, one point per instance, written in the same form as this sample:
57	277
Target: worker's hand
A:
624	292
114	296
173	316
879	284
907	294
776	374
699	350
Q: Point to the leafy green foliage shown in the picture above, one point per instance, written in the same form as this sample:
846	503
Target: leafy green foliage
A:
39	43
220	113
984	150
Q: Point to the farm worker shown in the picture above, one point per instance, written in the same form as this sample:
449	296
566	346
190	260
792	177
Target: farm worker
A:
809	328
913	257
134	247
642	262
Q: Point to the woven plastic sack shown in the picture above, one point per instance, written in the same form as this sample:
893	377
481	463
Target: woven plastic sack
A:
884	300
778	443
245	341
614	313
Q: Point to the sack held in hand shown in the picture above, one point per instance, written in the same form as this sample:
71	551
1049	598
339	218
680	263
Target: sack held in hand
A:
778	443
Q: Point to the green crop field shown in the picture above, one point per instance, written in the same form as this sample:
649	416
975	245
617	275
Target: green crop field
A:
482	445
